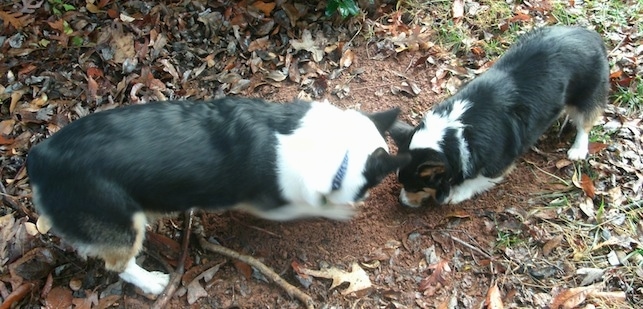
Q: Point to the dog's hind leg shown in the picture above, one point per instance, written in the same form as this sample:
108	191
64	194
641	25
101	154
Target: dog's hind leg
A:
585	103
122	259
584	122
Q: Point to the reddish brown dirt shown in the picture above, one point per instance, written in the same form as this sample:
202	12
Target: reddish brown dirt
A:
382	223
389	240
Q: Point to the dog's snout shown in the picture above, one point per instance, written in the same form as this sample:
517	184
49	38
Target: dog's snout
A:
408	199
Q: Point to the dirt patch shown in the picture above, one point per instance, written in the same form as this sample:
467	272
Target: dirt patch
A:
399	238
539	236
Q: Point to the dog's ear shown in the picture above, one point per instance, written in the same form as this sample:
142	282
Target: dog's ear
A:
381	163
430	169
401	133
384	120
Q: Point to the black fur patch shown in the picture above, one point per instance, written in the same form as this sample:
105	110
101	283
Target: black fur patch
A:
514	103
161	157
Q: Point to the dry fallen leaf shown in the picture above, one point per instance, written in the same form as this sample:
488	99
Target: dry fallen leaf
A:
591	274
458	213
17	19
571	298
551	244
243	268
596	147
458	9
265	7
90	301
520	17
493	300
7	232
563	163
587	185
92	89
276	75
587	207
122	45
347	59
59	297
357	278
307	43
437	277
195	291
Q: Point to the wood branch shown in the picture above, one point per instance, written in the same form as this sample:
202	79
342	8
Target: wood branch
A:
17	295
265	270
171	287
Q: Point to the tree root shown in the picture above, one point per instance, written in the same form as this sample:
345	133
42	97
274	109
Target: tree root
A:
171	287
265	270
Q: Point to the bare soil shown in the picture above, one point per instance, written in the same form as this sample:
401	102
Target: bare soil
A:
58	66
398	247
385	231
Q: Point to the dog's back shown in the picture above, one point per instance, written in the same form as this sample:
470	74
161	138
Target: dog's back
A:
151	158
547	71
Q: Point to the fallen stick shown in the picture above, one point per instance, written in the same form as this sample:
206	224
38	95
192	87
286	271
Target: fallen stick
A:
17	295
265	270
464	243
171	287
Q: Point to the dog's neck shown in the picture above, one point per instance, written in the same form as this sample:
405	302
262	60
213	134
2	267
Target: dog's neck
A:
341	172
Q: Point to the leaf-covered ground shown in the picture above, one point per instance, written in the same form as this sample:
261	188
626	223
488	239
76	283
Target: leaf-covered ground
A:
556	234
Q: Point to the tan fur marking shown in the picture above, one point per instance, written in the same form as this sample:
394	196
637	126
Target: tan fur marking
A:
116	258
588	119
416	198
432	170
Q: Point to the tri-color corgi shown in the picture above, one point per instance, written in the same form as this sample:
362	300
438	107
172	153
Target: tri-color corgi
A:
96	180
466	144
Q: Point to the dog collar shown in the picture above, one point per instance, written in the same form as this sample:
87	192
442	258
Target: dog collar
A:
341	172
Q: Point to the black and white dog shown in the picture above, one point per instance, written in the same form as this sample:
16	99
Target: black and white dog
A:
466	144
96	181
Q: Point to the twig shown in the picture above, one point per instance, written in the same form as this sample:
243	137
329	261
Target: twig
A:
265	270
633	206
464	243
17	295
547	173
255	227
171	287
374	86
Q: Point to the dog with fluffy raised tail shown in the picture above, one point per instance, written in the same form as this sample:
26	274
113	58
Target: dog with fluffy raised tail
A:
467	143
99	180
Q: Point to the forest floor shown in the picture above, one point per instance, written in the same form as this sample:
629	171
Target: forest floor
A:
554	234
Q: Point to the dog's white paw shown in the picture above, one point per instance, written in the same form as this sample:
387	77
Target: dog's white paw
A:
339	212
150	282
577	153
156	283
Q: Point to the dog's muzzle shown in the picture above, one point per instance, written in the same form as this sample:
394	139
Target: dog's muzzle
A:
415	199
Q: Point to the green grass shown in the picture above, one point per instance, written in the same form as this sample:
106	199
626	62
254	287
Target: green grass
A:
600	211
562	201
600	135
59	7
630	97
508	240
562	14
451	37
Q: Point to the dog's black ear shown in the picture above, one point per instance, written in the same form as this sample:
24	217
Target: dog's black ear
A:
431	169
384	120
381	163
401	133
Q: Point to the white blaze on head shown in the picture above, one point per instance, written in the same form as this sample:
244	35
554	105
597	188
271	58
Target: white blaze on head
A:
436	124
